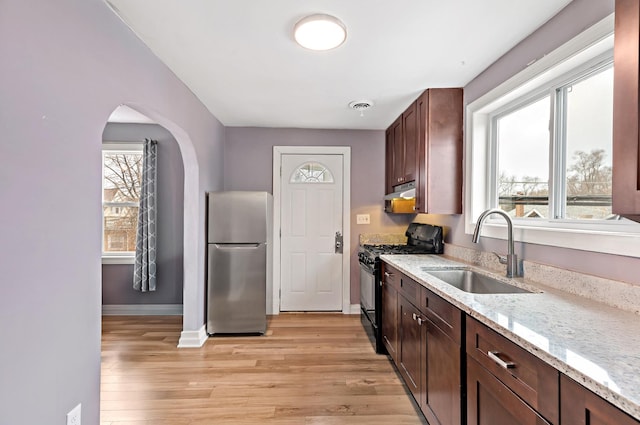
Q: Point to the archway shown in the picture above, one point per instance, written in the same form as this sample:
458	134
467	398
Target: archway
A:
193	333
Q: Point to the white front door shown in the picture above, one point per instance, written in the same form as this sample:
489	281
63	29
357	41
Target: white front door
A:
311	215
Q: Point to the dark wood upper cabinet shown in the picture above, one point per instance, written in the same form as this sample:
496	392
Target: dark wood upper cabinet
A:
401	149
424	145
389	160
626	112
397	138
439	180
410	128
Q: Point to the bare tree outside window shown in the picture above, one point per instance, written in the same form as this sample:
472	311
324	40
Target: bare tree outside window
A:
589	174
121	194
588	188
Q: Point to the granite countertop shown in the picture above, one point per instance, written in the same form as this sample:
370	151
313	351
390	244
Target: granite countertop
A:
595	344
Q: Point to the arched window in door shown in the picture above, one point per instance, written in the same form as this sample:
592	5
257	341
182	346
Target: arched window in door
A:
311	172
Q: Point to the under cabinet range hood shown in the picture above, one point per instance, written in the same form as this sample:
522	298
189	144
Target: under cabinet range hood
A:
402	200
404	191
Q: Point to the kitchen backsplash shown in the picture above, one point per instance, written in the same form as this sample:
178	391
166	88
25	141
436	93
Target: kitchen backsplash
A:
614	293
382	238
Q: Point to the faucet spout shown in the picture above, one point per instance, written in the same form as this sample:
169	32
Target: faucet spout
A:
512	258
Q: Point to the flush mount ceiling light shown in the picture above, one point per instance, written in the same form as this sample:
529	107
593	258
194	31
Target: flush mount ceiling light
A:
320	32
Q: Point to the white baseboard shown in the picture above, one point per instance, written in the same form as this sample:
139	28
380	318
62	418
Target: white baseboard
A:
193	339
354	309
142	310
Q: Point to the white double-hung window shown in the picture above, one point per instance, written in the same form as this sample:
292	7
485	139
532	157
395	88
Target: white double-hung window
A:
539	147
553	149
121	180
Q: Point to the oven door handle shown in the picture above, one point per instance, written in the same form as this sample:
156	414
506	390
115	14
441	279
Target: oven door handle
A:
367	269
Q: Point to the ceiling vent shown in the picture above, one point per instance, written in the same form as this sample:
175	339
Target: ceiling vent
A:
361	105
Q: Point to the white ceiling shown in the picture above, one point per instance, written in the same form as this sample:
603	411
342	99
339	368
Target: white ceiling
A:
240	60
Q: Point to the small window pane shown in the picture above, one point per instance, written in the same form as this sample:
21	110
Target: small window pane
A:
589	144
122	177
311	172
523	160
120	224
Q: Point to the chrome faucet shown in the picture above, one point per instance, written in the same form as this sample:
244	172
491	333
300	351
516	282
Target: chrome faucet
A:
511	260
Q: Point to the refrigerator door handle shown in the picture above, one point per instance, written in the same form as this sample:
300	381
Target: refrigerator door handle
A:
236	245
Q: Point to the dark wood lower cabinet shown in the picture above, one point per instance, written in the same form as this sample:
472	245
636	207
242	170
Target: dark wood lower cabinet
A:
430	351
579	406
491	402
409	345
441	385
430	340
389	325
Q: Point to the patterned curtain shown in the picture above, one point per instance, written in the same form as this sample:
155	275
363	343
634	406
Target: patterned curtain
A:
144	274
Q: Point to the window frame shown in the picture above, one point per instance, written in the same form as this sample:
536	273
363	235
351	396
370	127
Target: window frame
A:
560	66
557	135
122	257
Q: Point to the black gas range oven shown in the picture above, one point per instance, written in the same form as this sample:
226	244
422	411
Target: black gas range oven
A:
421	239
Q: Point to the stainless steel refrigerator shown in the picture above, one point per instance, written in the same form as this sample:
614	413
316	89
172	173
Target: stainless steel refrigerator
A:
239	235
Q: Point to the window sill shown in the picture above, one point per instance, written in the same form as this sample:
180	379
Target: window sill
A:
622	241
118	259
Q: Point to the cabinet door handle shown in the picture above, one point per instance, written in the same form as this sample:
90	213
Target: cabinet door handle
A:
387	274
494	355
421	321
415	317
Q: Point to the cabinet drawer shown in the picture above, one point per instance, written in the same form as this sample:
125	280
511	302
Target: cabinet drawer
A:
444	315
410	289
491	402
530	378
580	406
391	276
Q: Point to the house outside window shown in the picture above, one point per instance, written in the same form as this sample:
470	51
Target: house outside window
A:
539	146
121	180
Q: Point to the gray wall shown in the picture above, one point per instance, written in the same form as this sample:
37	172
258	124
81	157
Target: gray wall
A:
117	279
248	162
576	17
65	66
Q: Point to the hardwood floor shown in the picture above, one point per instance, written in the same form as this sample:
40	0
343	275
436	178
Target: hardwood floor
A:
309	369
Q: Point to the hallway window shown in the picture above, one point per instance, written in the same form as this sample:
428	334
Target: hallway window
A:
121	178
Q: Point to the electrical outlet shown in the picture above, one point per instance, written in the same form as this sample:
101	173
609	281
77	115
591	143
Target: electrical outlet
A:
363	219
74	416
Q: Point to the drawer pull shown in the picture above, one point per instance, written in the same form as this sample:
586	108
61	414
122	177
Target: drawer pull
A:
494	355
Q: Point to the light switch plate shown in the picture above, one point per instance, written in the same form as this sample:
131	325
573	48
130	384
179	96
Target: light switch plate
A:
363	219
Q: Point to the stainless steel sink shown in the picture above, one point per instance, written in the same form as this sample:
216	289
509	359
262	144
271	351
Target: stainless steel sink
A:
470	281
